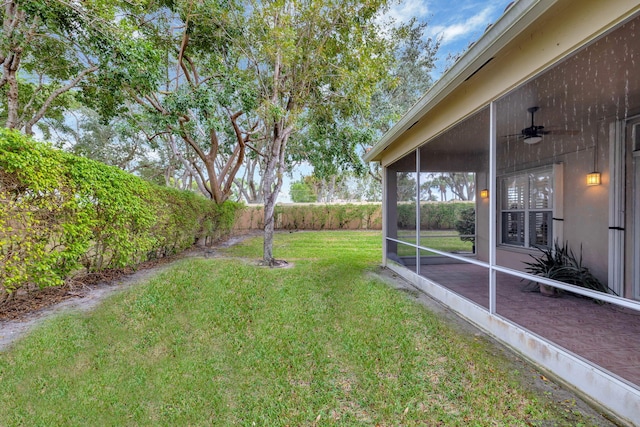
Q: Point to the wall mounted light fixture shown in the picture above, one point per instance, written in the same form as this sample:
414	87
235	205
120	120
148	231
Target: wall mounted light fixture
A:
593	178
484	193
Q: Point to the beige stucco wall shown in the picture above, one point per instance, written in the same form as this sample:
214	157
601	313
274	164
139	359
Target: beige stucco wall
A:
560	31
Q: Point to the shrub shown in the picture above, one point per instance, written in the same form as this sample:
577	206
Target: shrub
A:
319	217
466	224
61	214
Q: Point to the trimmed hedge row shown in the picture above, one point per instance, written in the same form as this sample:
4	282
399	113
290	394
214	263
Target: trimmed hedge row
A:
308	216
61	214
433	215
305	216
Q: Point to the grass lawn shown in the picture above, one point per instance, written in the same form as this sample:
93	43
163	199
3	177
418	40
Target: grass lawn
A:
220	341
436	239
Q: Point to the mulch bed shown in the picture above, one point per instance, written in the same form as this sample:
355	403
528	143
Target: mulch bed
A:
26	302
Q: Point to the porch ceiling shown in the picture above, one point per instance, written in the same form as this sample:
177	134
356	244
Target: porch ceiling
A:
574	95
594	82
589	86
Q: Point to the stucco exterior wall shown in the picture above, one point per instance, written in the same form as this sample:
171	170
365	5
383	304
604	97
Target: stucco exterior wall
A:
558	32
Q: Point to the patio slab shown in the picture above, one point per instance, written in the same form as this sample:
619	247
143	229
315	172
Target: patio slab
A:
603	334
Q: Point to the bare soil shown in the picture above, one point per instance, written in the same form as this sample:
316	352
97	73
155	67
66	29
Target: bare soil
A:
28	308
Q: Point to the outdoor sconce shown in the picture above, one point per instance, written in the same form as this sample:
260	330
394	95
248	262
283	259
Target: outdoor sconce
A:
593	178
484	193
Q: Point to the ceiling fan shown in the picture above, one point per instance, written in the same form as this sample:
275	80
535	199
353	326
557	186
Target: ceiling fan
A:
532	134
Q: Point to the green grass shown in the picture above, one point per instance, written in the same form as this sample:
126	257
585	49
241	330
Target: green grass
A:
224	342
433	239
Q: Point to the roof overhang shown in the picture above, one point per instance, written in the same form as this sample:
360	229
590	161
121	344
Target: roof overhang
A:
517	18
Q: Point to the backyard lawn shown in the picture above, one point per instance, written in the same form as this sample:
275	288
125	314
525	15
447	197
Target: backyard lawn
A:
221	341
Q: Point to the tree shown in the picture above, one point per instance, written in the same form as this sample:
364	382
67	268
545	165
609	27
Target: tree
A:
307	57
466	225
207	98
406	187
301	192
334	142
51	48
325	190
462	184
109	143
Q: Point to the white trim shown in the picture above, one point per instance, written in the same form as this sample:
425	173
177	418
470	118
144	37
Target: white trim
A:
616	206
635	141
493	199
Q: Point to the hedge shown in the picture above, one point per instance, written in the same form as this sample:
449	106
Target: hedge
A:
307	216
61	214
433	215
367	216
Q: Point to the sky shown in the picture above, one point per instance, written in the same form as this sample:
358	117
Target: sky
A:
456	22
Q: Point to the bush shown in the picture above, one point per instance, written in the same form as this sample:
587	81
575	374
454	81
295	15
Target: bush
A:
61	214
317	217
466	224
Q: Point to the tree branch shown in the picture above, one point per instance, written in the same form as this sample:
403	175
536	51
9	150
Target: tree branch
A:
54	95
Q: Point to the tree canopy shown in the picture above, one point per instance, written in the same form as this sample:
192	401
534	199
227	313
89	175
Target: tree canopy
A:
50	49
219	90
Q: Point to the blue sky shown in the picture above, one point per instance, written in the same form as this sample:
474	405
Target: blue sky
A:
457	22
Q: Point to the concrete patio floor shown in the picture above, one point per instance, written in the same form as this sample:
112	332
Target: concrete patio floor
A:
603	334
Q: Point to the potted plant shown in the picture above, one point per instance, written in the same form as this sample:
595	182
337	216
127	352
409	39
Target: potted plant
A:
560	263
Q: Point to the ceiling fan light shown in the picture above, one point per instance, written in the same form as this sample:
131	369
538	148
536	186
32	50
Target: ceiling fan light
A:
532	139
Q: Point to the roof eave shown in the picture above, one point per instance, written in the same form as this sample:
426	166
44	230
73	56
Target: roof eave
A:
518	17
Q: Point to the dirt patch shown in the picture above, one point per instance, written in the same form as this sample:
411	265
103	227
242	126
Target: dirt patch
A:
27	309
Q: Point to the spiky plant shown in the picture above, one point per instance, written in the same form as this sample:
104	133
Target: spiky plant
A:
560	263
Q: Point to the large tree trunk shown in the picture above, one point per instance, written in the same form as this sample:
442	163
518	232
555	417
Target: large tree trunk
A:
10	58
269	225
12	98
271	186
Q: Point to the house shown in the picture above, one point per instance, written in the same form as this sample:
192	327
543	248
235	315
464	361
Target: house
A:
544	112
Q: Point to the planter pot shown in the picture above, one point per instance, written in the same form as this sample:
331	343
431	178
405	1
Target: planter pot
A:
549	291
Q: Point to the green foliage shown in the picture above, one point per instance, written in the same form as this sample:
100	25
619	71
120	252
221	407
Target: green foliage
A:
335	138
61	214
328	217
64	52
301	192
560	263
433	215
466	224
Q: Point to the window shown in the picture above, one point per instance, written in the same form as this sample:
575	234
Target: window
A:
527	208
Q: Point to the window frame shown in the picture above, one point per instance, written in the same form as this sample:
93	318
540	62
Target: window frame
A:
526	211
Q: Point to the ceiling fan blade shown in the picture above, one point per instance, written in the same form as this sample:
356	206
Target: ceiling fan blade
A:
563	131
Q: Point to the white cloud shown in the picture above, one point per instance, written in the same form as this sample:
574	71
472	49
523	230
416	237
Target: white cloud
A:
408	9
453	32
